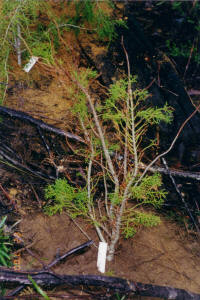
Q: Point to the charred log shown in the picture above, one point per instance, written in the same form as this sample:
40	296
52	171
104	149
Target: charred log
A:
50	279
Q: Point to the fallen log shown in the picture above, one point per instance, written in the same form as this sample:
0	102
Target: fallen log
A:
50	279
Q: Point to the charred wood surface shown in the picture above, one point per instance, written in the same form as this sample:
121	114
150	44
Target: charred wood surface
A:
50	279
33	147
38	123
178	173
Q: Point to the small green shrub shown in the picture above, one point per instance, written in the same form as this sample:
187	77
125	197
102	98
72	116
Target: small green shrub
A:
74	200
133	218
5	246
114	131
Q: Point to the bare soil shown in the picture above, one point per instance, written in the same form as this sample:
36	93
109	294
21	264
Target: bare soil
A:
164	255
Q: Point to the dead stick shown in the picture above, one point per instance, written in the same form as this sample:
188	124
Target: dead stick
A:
54	262
174	172
24	168
72	251
170	147
25	117
29	251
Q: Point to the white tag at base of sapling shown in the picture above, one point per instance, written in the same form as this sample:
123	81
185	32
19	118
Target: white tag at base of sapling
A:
31	63
101	258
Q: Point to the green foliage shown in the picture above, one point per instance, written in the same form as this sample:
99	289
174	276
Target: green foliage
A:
114	199
177	5
19	21
5	253
74	200
118	90
133	218
187	13
90	16
155	115
80	107
183	50
85	76
110	273
117	100
105	27
149	192
120	297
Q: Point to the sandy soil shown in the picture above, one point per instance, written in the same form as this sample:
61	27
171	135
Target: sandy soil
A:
163	255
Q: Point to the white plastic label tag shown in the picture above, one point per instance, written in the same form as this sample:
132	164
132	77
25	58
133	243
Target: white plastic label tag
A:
31	63
101	258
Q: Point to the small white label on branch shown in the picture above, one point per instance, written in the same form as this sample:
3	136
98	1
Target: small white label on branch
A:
101	259
31	63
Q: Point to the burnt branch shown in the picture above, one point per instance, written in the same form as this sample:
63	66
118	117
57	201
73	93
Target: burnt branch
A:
38	123
24	168
177	173
72	251
53	263
49	279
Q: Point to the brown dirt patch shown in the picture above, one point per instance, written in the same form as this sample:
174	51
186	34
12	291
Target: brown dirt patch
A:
160	255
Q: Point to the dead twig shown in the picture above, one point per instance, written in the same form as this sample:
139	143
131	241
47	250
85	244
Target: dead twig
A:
36	196
189	59
180	195
68	253
173	172
47	267
17	237
170	147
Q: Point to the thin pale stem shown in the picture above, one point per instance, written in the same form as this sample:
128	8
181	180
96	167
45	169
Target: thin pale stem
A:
91	211
18	45
6	72
101	136
10	23
116	229
102	225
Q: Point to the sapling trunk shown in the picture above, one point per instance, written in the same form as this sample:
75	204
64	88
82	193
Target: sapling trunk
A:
119	178
92	215
101	136
129	109
116	219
